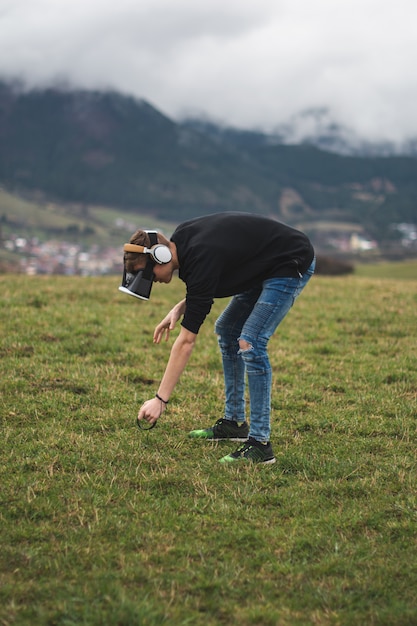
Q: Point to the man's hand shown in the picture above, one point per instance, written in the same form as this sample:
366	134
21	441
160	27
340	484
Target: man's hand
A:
169	321
151	410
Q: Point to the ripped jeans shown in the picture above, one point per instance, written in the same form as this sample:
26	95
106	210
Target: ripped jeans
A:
254	316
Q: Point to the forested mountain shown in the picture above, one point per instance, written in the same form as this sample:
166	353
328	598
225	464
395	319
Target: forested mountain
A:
103	147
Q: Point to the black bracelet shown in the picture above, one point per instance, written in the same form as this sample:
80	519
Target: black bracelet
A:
161	399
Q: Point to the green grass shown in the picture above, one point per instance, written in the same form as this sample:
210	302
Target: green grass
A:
101	523
400	270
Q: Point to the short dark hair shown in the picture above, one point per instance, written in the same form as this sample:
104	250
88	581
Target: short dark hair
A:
131	259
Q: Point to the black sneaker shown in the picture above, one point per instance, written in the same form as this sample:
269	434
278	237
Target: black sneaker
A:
253	451
223	429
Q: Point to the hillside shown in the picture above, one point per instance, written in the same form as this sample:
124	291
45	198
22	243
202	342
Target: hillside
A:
103	148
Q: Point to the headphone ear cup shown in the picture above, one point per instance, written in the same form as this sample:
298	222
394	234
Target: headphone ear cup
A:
161	254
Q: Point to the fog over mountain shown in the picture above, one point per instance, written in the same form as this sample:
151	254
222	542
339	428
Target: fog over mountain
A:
318	128
244	64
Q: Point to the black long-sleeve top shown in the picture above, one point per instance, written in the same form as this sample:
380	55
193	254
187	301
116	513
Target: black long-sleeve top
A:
224	254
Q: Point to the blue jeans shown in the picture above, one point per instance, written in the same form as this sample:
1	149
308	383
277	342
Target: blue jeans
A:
254	316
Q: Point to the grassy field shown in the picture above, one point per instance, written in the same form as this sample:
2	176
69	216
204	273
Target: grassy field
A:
400	270
103	524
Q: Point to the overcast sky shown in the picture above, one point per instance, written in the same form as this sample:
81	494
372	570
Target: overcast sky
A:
249	63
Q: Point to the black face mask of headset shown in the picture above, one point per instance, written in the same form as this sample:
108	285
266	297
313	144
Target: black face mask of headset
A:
139	284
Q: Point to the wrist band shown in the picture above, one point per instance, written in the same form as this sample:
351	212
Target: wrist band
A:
161	399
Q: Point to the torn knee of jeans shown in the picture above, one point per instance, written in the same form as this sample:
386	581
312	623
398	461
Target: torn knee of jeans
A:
244	346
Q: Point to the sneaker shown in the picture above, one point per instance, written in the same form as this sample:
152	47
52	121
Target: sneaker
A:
252	450
223	429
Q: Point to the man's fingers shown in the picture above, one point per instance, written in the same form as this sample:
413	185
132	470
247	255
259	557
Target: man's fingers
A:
160	330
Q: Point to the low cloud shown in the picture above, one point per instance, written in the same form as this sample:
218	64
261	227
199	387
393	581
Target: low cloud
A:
244	63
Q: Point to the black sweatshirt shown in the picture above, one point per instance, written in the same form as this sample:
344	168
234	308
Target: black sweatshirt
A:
225	254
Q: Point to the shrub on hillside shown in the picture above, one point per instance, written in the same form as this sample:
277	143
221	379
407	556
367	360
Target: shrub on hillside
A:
329	266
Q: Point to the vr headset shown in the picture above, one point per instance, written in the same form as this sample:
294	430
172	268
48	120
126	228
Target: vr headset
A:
139	284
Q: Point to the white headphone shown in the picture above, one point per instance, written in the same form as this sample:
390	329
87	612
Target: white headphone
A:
159	253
